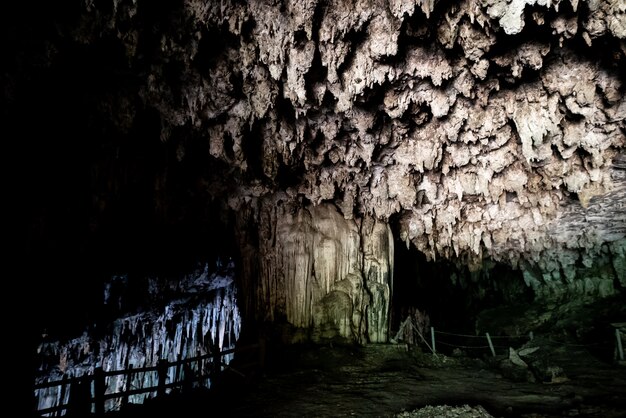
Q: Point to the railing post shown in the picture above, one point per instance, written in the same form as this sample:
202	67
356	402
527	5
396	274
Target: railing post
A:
620	349
162	368
62	397
35	401
129	381
99	387
80	396
493	351
200	371
262	349
217	362
177	376
187	377
432	339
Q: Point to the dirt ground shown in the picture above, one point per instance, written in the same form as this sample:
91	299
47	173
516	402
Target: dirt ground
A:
387	380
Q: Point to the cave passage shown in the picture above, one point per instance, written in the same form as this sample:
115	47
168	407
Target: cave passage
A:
450	297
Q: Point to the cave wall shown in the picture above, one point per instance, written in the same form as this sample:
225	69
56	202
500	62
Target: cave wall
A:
320	275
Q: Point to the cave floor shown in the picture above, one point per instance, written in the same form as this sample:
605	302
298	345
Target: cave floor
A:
383	380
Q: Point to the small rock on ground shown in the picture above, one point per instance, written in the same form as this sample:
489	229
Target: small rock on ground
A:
445	411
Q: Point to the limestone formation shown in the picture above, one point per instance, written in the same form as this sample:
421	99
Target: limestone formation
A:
323	274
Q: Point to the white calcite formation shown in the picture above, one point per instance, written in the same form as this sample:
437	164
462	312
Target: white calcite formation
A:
185	328
486	129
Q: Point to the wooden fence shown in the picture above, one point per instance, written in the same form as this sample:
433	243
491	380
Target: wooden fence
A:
97	395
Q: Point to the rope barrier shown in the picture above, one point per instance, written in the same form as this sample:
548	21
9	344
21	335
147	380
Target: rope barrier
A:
462	346
480	336
459	335
506	346
501	337
577	345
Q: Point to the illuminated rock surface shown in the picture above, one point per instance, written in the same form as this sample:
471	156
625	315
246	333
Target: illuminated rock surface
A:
484	131
184	328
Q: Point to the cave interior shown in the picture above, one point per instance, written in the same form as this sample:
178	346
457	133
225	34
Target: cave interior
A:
370	188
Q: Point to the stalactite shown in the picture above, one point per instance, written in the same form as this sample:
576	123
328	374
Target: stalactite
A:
183	329
486	128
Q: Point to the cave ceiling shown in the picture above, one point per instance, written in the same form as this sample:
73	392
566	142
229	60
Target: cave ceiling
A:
480	129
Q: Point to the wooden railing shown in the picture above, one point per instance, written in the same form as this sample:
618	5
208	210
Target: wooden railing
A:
98	379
